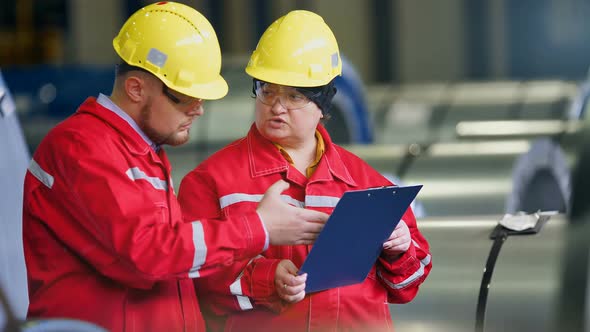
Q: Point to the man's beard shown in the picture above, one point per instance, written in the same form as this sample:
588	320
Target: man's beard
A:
173	139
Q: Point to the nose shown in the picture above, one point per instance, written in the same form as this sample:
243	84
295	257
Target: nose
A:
197	108
277	106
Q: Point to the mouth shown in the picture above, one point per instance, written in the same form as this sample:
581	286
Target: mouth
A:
277	120
186	126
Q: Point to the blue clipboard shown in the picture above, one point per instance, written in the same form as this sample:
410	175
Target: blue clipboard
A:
353	236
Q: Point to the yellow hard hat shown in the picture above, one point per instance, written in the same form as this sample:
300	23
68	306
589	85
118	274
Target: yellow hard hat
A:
299	50
178	45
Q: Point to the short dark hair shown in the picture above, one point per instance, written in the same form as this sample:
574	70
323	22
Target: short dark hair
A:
123	67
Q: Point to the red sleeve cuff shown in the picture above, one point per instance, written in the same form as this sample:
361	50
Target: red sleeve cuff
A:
257	236
263	285
401	264
263	278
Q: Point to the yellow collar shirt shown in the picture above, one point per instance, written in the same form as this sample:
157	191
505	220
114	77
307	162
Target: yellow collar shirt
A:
319	152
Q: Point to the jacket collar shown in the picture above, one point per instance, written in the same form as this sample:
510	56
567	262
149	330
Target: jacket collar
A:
130	137
106	102
265	158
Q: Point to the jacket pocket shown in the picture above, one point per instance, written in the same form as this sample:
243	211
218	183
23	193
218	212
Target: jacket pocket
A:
163	213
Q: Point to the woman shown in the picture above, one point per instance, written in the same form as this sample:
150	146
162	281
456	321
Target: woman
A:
293	68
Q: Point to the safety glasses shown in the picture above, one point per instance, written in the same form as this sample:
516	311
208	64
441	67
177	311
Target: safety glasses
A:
289	97
185	101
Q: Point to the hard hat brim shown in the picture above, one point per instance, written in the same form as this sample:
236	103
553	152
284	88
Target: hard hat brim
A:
288	79
214	90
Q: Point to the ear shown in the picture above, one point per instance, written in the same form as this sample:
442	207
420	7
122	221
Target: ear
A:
135	87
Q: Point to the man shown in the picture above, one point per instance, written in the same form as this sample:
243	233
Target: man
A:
104	238
293	68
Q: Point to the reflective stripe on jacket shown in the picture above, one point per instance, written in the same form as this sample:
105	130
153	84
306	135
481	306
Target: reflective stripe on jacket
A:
104	238
232	181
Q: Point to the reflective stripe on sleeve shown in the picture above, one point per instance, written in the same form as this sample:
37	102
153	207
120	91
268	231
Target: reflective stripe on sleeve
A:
41	174
135	174
200	249
415	276
243	301
228	200
236	289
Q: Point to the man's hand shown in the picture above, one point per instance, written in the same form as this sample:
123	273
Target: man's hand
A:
290	286
287	224
399	241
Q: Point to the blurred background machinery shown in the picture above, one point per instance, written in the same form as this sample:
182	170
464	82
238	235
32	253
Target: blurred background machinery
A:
13	165
483	102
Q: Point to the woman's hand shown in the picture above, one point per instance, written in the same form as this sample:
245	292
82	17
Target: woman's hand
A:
398	242
289	285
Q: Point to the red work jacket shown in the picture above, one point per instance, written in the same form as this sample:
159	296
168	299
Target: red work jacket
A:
232	181
104	239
